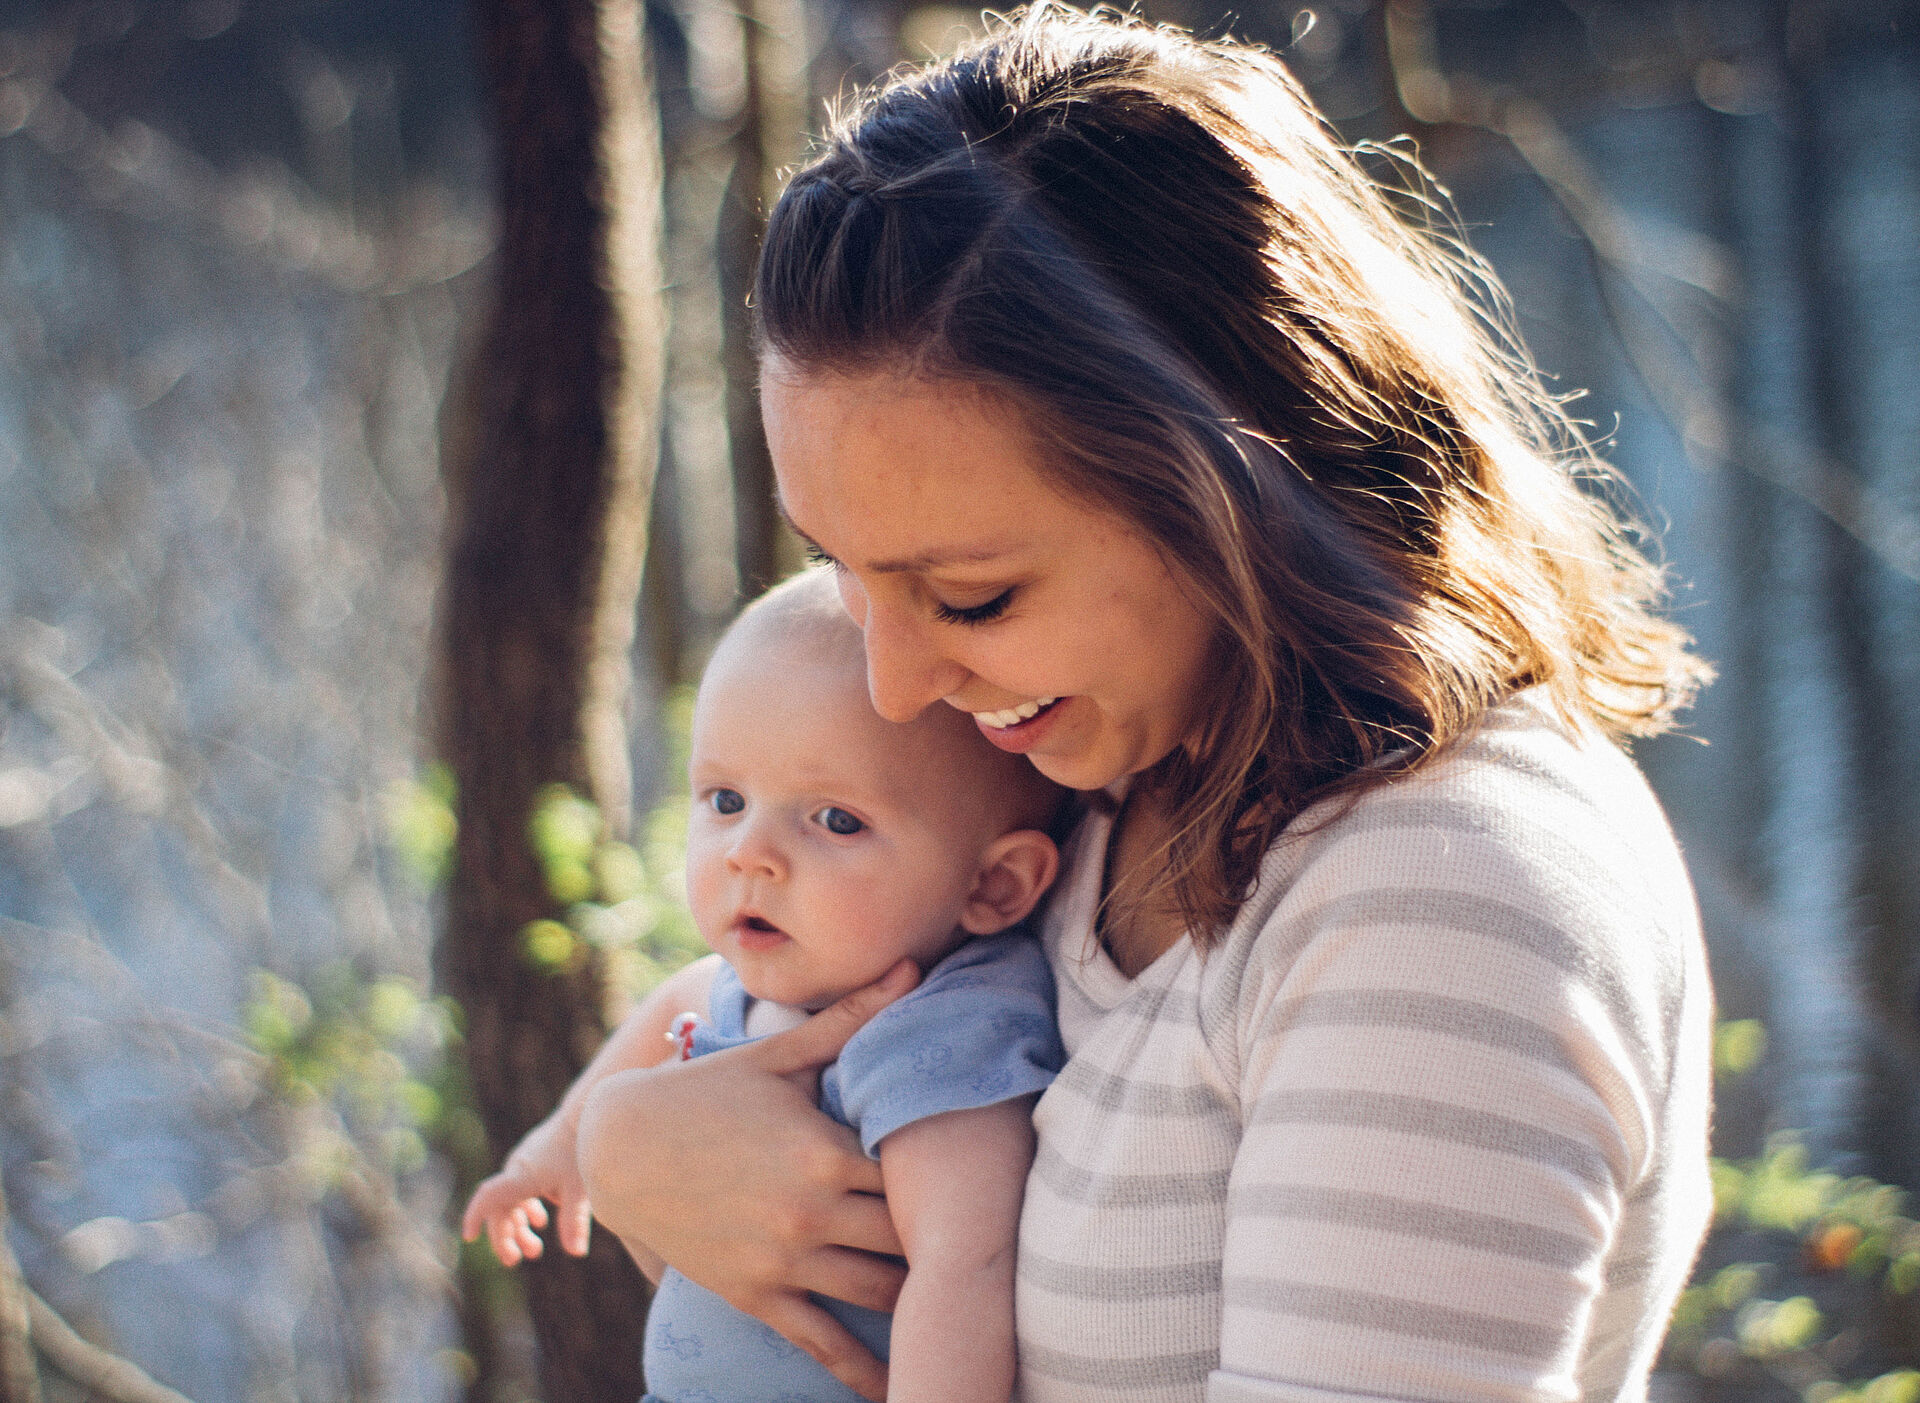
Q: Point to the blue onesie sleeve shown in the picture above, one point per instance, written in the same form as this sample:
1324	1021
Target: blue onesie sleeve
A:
978	1030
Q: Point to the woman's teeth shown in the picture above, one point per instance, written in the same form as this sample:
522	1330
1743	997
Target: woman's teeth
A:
1014	715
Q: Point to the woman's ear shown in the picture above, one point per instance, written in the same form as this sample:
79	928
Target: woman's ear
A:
1015	872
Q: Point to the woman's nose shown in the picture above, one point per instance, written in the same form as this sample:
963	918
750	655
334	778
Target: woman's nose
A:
906	670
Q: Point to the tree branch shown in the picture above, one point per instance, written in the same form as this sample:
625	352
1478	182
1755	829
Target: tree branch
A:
19	1378
86	1363
1698	411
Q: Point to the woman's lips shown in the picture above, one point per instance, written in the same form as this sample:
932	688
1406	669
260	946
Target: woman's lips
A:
1022	736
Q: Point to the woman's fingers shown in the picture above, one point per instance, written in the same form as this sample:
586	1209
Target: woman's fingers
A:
865	1280
861	1220
828	1341
818	1041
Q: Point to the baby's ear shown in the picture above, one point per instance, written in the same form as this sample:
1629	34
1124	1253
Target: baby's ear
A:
1015	871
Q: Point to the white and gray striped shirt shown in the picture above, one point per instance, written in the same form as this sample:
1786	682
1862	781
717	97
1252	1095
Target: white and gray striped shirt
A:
1430	1124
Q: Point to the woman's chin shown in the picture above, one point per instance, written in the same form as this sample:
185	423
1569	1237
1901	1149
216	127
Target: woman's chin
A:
1079	770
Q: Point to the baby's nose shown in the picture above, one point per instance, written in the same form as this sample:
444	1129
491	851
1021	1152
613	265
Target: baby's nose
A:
755	851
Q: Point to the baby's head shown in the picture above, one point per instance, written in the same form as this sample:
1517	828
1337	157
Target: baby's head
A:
827	844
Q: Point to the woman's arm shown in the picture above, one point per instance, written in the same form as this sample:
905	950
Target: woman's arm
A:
954	1184
1472	1076
725	1167
545	1164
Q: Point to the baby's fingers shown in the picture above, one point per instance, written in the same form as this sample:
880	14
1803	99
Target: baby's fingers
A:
505	1239
497	1195
524	1232
575	1225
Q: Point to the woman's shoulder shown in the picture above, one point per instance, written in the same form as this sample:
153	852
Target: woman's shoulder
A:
1528	808
1529	870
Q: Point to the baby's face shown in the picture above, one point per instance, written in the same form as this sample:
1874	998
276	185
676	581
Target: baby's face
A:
826	844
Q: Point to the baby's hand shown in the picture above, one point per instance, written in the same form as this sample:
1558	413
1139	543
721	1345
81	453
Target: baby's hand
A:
508	1205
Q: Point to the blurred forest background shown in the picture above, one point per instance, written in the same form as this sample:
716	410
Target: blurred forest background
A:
378	457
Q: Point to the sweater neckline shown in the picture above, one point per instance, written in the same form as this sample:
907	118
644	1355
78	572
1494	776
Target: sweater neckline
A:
1070	926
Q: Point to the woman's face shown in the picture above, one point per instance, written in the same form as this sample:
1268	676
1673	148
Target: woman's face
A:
1055	623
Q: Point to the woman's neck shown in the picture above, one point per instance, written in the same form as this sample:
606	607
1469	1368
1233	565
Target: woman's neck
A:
1137	933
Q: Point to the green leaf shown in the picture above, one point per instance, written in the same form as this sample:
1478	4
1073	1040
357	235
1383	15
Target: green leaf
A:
547	945
420	825
1767	1328
620	872
563	828
1733	1286
1738	1046
393	1009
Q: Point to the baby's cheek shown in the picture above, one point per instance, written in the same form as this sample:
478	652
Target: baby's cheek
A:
704	880
867	907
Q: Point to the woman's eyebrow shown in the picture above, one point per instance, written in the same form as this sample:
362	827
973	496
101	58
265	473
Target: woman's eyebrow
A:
933	560
926	560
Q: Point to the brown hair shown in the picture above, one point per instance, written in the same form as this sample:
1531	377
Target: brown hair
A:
1223	330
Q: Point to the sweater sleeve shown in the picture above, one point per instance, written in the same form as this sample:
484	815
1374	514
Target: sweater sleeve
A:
1450	1040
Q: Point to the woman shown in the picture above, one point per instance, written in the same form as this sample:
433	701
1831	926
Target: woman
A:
1138	423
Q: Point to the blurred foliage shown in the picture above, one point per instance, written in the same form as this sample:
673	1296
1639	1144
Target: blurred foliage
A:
1808	1287
363	1061
625	901
420	826
375	1049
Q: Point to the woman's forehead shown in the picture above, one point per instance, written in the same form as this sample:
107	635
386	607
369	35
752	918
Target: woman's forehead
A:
914	474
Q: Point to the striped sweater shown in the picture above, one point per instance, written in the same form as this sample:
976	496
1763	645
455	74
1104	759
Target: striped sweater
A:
1430	1124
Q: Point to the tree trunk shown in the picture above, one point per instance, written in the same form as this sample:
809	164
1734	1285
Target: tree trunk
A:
550	460
771	136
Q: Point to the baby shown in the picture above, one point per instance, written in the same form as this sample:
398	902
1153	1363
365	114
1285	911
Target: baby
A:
825	846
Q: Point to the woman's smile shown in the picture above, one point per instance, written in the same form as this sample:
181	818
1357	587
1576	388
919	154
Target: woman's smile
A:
1012	715
1055	624
1019	729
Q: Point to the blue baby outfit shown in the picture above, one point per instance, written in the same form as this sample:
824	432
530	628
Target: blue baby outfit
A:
979	1029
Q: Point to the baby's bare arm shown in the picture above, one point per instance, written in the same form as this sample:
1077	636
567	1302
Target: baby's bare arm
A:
954	1185
544	1165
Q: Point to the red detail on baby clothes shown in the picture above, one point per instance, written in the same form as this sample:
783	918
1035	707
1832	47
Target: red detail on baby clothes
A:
681	1034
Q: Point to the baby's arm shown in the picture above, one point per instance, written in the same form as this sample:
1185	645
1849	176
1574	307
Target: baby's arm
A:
954	1184
544	1165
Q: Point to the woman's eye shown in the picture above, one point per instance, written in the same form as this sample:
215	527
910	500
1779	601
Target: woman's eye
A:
816	556
727	801
978	614
839	821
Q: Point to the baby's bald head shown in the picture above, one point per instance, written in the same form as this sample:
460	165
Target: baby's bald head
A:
824	843
799	635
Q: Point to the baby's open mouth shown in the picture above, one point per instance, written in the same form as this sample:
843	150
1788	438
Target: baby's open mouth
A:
756	935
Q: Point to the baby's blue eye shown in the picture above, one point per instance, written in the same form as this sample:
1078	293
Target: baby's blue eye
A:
727	801
839	821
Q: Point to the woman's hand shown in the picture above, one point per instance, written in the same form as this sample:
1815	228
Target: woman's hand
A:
725	1167
544	1165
